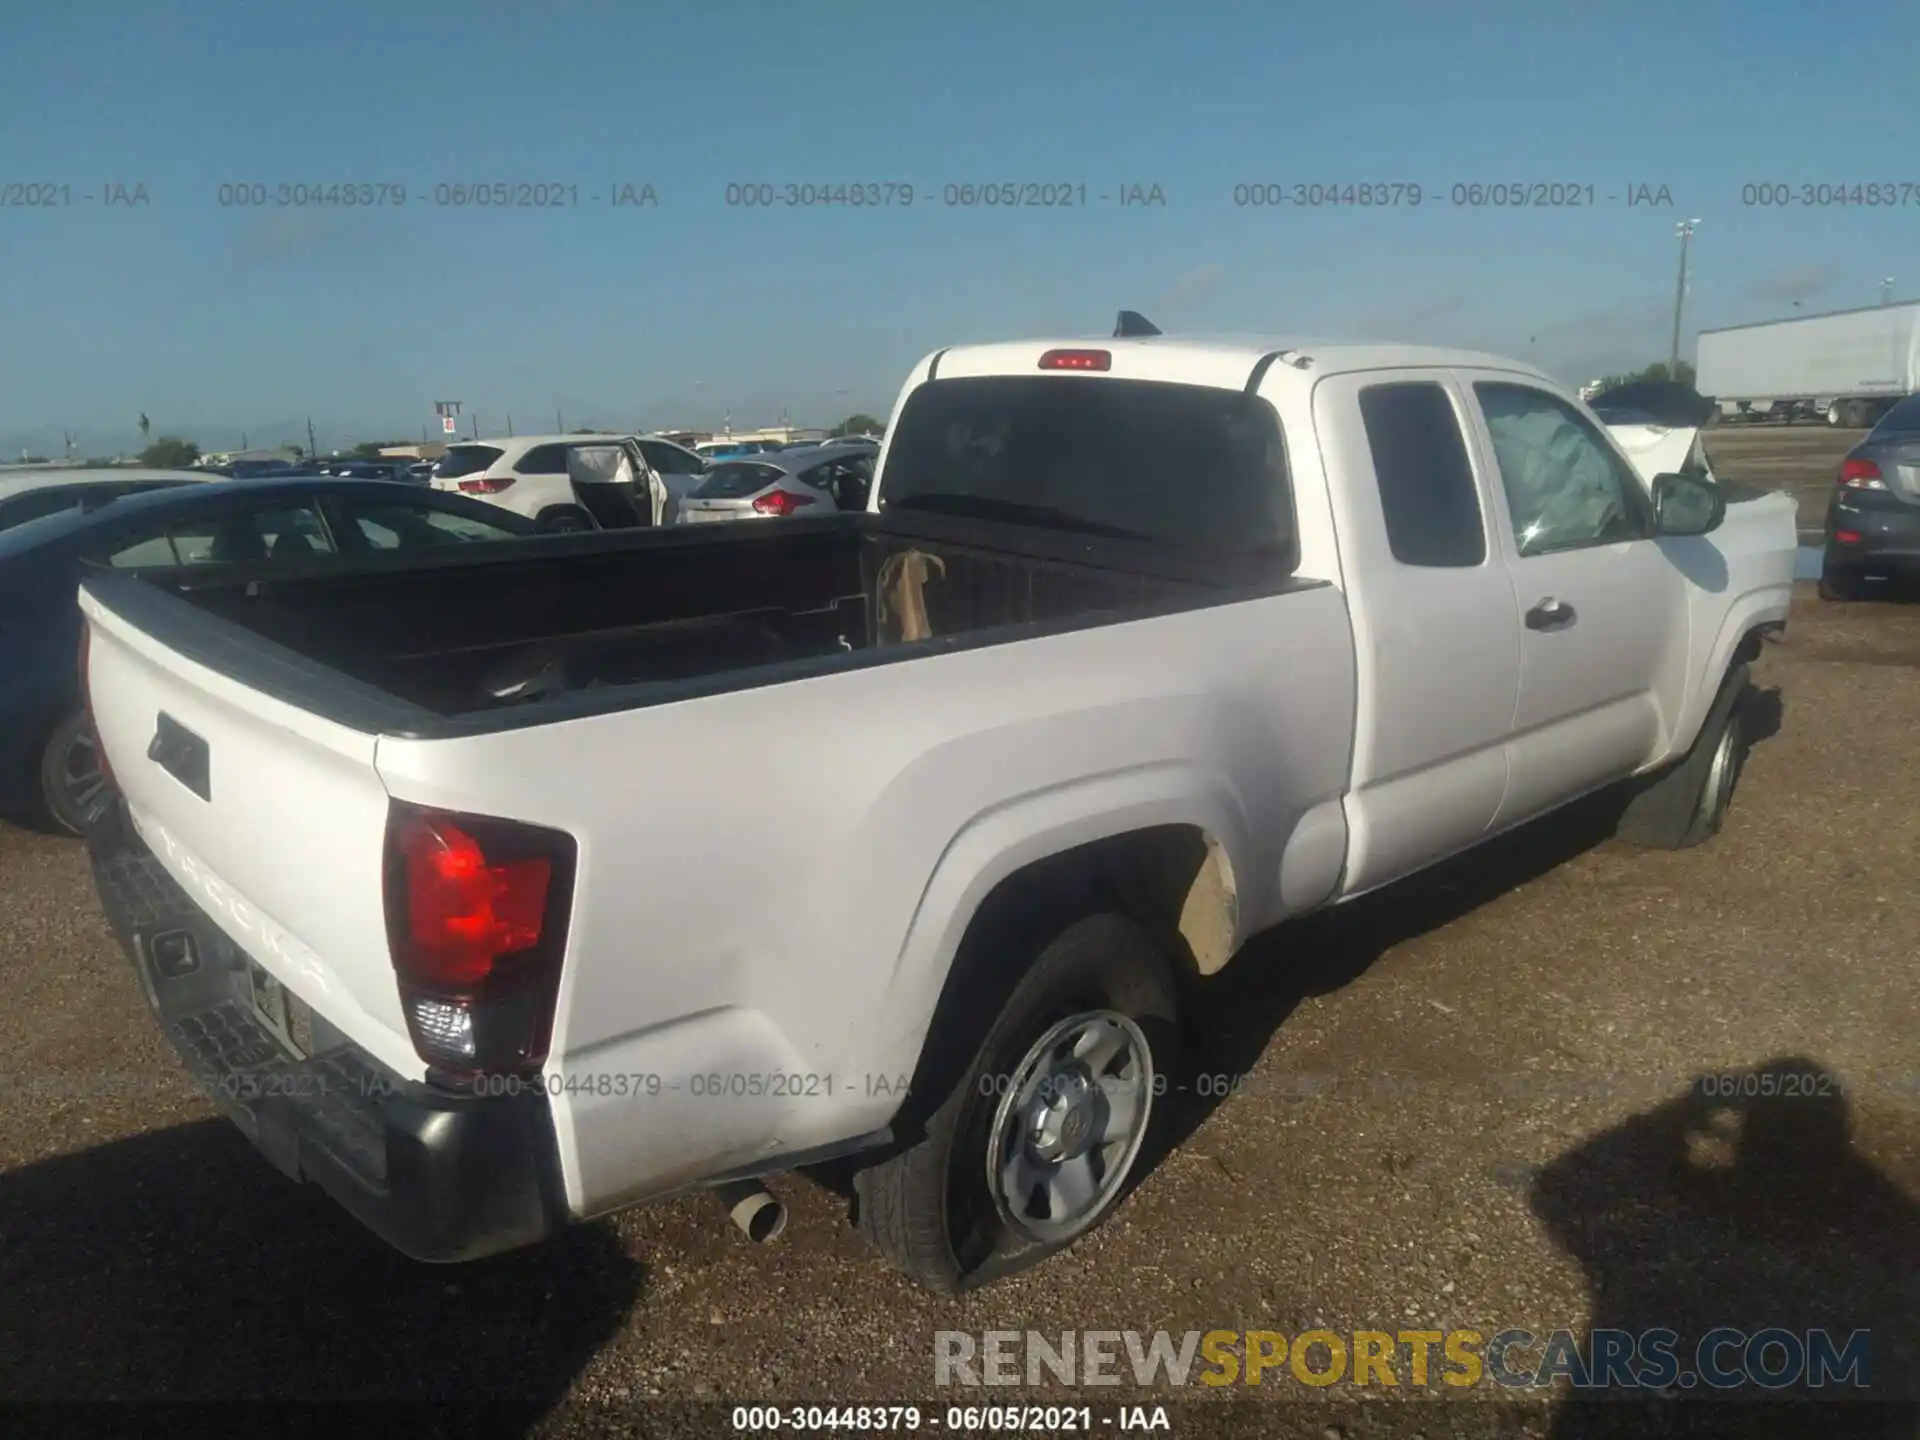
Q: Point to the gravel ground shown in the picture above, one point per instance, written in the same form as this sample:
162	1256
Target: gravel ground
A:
1473	1102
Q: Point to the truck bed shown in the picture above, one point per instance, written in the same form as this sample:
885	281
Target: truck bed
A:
545	629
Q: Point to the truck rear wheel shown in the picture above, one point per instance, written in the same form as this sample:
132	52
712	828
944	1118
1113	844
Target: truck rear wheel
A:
1687	805
72	779
1037	1141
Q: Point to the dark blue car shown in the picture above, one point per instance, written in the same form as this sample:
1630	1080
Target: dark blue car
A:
49	769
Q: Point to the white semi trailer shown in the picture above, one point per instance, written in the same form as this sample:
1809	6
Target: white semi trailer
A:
1847	366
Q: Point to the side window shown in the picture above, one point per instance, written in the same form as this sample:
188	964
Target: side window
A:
152	550
379	536
1565	486
283	532
1426	481
543	460
412	527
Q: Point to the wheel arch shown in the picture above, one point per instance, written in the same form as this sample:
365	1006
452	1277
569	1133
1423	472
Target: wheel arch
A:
1165	847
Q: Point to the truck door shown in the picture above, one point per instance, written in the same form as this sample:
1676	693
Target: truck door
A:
1604	631
1434	620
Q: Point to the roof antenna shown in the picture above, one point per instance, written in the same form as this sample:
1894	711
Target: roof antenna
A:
1132	325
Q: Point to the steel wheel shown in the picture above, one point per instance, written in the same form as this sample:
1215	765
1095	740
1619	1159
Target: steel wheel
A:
1067	1130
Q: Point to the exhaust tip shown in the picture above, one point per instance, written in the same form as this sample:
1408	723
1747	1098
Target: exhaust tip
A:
753	1209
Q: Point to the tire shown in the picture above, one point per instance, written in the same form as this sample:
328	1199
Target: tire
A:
71	780
1833	415
938	1209
1838	584
1853	415
1688	804
564	521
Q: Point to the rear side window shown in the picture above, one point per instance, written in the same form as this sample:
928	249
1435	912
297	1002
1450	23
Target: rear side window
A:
386	526
1190	466
1426	482
281	532
462	460
543	460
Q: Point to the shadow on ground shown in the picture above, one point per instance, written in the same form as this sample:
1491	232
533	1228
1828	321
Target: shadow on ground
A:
1235	1016
163	1267
1750	1210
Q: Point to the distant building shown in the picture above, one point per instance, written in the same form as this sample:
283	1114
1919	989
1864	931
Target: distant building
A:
412	452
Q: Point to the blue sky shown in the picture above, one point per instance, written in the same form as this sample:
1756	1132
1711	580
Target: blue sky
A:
216	319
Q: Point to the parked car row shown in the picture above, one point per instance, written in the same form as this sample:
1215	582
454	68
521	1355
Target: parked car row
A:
56	525
586	482
158	524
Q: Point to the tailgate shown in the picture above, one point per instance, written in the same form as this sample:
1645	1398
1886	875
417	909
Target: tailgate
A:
272	818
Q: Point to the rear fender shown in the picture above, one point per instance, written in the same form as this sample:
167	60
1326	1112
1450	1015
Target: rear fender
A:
1019	834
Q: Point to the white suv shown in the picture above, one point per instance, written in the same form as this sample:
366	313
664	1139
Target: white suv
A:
528	473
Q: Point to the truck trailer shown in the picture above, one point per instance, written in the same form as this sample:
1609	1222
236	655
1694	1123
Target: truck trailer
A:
1849	366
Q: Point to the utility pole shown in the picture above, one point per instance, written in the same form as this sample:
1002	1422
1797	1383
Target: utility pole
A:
1886	291
559	425
509	424
312	448
1685	231
476	424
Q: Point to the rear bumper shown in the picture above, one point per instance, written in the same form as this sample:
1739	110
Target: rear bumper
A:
439	1176
1889	531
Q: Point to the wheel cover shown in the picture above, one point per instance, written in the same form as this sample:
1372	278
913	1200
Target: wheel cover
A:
1071	1123
82	779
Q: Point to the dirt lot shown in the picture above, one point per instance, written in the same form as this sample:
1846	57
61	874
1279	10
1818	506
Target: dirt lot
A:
1475	1102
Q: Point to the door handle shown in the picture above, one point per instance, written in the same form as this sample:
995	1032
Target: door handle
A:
1550	614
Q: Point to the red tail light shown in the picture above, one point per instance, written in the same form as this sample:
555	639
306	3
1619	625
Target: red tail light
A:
1077	360
485	484
476	925
780	502
1846	537
86	701
1861	475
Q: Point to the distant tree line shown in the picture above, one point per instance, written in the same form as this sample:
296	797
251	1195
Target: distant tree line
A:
1684	373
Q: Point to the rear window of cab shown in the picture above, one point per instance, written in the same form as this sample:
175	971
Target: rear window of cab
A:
1192	467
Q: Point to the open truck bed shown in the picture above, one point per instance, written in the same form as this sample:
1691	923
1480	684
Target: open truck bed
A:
578	625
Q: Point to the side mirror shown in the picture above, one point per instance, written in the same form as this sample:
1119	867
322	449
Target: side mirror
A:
1687	505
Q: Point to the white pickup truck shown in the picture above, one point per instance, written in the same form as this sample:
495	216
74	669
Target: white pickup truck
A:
500	890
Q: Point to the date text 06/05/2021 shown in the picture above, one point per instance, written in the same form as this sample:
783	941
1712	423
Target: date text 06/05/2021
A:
954	1419
442	195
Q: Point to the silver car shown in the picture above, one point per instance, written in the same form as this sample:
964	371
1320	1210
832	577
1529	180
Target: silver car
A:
792	482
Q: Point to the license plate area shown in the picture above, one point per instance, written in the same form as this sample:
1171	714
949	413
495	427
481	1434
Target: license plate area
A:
283	1013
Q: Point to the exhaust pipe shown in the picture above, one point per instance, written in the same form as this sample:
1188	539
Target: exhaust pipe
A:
753	1209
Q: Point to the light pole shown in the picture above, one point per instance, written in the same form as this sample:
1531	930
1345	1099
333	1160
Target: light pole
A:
1886	291
1685	231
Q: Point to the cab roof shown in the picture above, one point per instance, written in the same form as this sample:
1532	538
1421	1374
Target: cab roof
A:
1225	360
